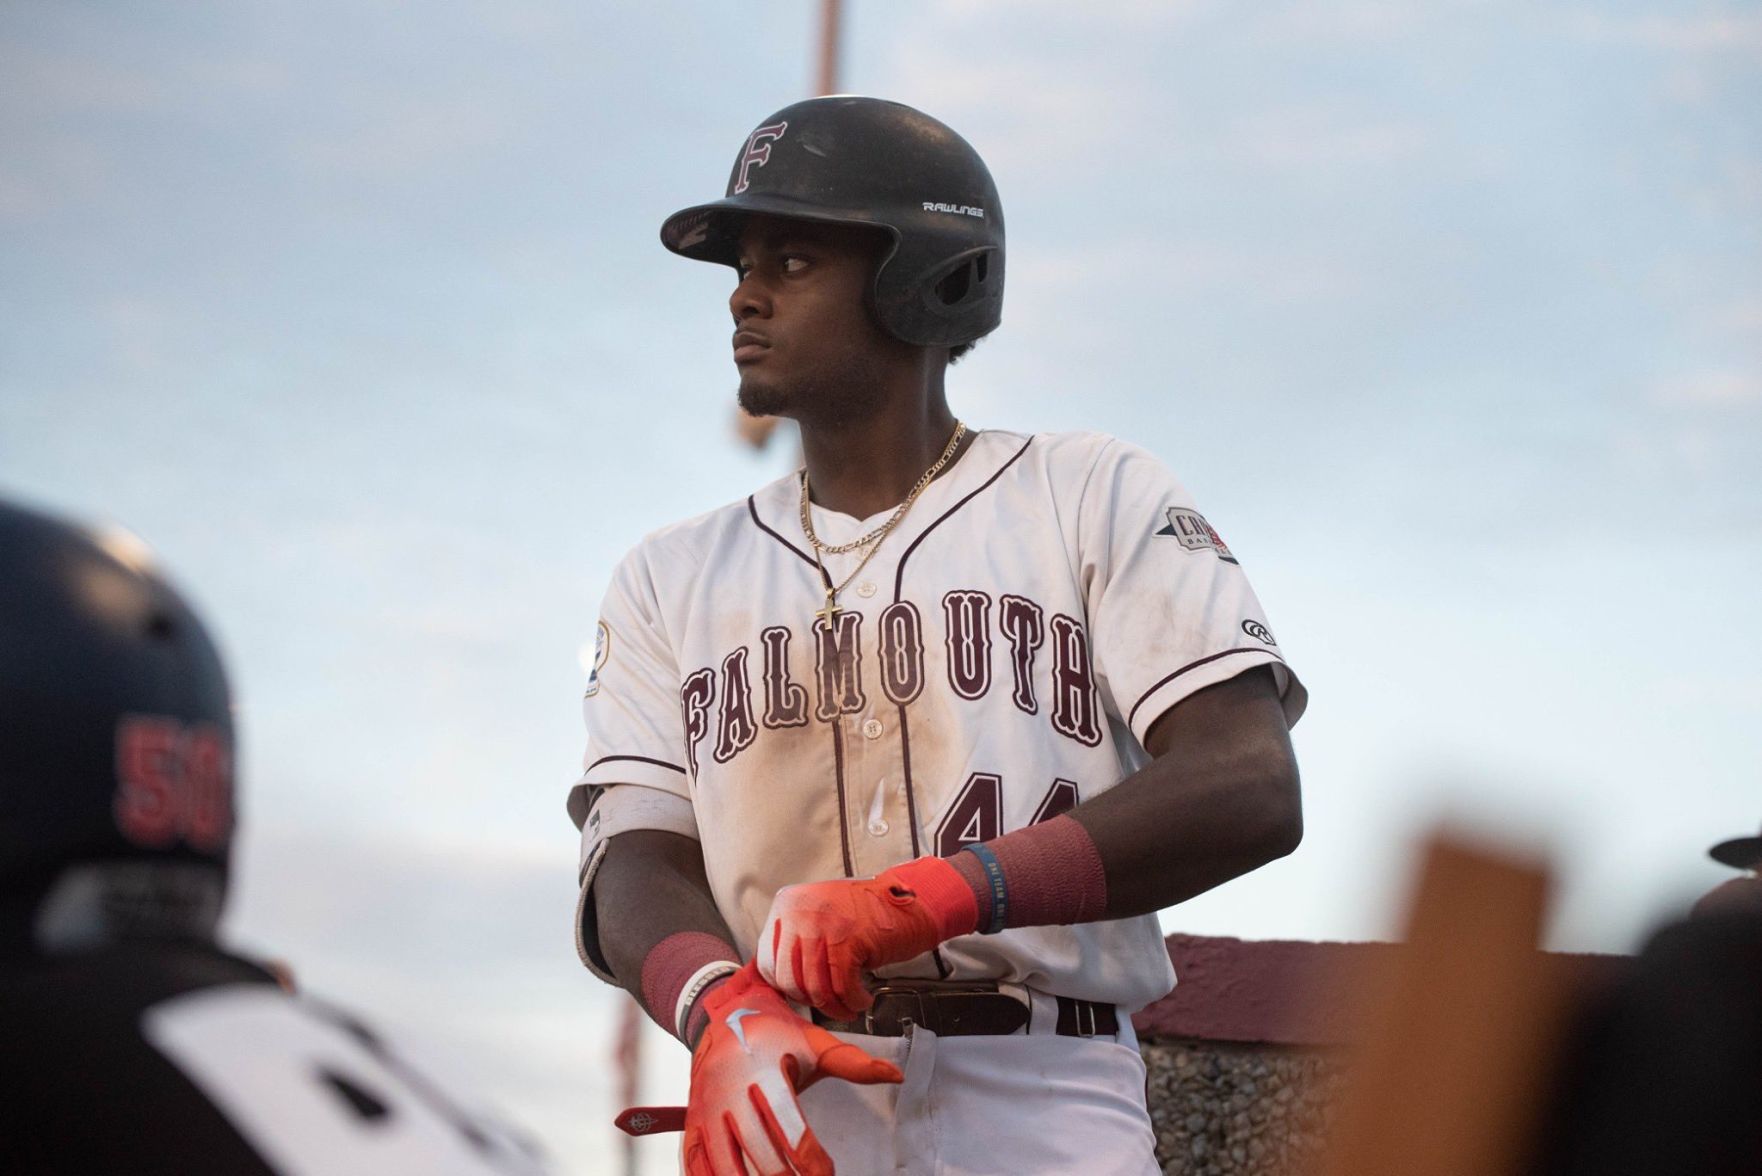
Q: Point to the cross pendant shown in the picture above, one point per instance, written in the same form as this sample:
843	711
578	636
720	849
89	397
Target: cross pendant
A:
829	614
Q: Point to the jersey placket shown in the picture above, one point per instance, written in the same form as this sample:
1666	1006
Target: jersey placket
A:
877	826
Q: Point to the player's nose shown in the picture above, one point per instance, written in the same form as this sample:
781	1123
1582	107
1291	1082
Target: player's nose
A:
749	299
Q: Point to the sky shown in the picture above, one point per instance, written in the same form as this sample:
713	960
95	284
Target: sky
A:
1448	313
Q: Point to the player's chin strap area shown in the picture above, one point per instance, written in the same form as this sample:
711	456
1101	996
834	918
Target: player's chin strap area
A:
966	1010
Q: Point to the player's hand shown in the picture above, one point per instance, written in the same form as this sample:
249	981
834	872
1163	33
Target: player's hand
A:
753	1058
822	937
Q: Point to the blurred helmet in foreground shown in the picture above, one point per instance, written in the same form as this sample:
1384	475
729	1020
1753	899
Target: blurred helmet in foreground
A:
116	762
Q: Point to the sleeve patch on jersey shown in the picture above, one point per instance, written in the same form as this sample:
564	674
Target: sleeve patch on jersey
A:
602	649
1194	533
1258	631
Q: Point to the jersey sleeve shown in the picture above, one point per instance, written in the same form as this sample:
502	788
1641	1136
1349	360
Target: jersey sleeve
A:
633	774
635	733
1170	609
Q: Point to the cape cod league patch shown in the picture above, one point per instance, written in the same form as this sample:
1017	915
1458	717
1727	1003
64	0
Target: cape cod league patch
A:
602	649
1194	533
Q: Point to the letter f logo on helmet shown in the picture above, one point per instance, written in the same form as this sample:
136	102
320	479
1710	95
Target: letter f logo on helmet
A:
758	151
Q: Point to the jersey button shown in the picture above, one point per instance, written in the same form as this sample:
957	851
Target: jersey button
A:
866	589
878	828
872	728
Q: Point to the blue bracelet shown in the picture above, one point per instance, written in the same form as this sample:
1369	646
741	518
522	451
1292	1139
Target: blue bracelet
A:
999	892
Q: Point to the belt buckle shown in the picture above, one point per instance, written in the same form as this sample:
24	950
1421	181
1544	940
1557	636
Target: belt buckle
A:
925	998
891	991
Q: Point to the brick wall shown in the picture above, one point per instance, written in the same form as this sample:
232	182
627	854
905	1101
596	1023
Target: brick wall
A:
1247	1056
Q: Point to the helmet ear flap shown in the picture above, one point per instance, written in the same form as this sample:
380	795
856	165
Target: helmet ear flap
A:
953	300
964	281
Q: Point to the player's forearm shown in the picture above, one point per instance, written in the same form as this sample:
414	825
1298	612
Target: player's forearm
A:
1219	799
651	897
1188	822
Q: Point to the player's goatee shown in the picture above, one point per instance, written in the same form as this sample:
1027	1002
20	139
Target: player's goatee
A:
847	396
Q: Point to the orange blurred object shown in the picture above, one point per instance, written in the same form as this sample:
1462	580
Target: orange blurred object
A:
1464	1026
755	431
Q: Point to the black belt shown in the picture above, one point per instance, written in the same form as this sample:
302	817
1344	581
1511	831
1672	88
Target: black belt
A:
963	1011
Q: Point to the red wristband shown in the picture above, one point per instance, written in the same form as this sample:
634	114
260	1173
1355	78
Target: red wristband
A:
1052	874
684	960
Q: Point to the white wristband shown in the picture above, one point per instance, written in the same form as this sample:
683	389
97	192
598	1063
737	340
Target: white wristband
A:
700	980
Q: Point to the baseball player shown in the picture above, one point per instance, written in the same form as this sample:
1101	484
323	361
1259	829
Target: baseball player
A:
132	1042
891	764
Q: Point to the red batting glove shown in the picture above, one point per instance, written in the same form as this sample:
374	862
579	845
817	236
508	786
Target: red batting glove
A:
755	1056
821	937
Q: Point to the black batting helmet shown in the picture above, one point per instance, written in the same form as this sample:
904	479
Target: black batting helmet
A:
116	737
865	161
1742	853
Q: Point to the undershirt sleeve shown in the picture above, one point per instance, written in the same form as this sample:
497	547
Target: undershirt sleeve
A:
611	810
1170	610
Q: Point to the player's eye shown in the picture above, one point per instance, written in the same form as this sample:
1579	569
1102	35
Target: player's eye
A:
794	263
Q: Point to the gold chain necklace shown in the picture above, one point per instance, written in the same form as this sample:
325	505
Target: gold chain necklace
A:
807	521
873	539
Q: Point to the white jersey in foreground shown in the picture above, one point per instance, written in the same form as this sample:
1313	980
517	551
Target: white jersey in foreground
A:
999	660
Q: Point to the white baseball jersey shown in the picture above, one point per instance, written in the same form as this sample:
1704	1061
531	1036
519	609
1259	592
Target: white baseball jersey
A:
998	661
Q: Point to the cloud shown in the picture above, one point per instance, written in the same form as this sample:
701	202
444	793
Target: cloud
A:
1707	467
1698	34
1135	14
1731	689
412	135
1359	22
1741	318
1722	390
1303	138
141	331
45	169
83	84
1172	266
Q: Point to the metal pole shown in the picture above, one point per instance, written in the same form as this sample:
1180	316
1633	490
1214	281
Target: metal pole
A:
829	22
627	1055
756	431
